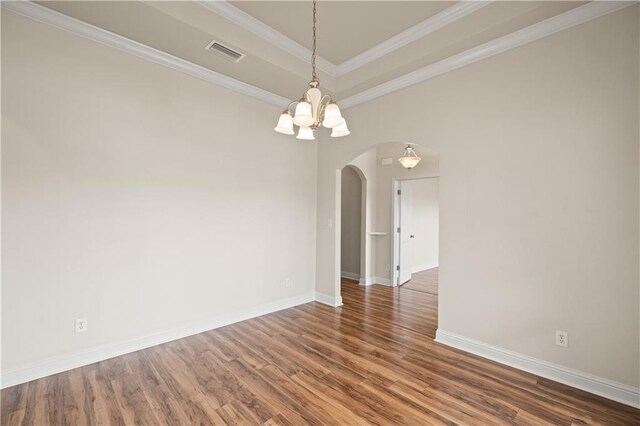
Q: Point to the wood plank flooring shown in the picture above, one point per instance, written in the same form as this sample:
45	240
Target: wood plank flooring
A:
372	361
424	281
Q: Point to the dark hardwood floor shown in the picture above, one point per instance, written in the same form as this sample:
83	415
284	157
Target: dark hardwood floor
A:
372	361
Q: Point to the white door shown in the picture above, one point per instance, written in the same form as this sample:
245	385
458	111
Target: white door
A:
406	238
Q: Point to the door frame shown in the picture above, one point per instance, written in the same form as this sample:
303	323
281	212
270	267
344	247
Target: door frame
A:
395	220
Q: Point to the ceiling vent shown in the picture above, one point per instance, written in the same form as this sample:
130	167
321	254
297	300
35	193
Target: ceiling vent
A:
225	51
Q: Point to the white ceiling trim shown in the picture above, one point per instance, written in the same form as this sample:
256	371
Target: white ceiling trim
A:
418	31
259	28
518	38
526	35
51	17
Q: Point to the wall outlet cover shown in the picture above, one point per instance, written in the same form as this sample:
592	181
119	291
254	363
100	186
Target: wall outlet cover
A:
562	338
81	325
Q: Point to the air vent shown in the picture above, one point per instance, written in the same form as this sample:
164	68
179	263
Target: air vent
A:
225	51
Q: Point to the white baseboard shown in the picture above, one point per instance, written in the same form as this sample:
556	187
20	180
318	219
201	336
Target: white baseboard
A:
616	391
382	281
420	268
329	300
60	363
350	275
366	281
375	280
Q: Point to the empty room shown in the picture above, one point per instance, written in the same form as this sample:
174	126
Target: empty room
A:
320	212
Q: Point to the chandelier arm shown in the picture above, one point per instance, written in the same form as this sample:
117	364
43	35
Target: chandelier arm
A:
288	108
322	105
327	96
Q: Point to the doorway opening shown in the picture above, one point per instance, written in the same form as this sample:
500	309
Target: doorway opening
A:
366	185
416	222
353	221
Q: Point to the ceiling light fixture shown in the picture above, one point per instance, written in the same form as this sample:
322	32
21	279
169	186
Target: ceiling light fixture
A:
409	158
313	109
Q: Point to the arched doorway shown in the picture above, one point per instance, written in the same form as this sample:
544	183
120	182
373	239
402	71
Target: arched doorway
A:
380	172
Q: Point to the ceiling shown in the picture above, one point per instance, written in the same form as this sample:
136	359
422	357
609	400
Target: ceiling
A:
361	44
362	23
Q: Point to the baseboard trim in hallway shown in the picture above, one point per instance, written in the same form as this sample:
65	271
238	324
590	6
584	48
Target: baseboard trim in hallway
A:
350	275
376	280
597	385
60	363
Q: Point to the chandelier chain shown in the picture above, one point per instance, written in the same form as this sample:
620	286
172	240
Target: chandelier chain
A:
314	76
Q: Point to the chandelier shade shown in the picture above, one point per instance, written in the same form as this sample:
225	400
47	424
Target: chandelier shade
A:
285	124
340	130
313	109
409	158
305	133
332	116
303	115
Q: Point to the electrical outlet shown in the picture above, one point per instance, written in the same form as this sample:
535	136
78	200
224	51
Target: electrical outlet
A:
81	325
287	283
562	338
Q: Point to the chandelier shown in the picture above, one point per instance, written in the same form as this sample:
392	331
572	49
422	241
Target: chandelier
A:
409	158
313	109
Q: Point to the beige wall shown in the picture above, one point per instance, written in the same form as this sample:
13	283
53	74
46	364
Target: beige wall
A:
539	189
424	223
351	222
138	197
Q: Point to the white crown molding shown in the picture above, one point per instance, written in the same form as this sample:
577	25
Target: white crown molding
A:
259	28
59	20
526	35
418	31
429	25
57	364
616	391
571	18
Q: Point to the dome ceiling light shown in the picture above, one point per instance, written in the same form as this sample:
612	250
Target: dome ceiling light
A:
409	158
